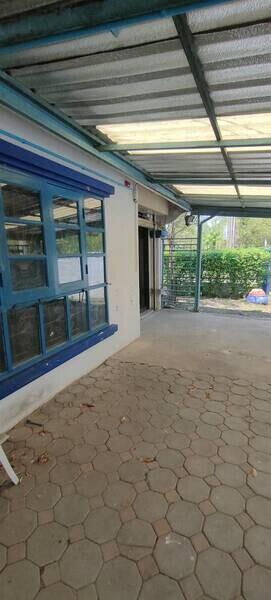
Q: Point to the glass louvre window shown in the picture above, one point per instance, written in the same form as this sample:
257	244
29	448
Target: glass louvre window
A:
24	333
53	275
93	212
78	313
97	307
67	232
24	238
27	274
55	322
65	211
19	203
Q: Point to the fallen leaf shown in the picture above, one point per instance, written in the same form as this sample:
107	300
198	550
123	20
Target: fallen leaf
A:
42	459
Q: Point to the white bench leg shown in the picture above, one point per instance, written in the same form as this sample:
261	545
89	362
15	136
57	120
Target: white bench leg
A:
7	466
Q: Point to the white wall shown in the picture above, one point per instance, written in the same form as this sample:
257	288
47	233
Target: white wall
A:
122	274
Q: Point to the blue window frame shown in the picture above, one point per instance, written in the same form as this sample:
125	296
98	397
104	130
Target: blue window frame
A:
53	290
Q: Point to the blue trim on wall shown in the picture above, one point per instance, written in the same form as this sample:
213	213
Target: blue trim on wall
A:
19	380
14	156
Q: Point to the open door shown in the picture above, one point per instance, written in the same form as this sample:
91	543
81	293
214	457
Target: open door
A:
144	287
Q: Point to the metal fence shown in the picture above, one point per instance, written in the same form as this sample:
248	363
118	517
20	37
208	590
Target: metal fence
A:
178	280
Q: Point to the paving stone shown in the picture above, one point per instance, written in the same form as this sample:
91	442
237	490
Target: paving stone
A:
260	461
261	484
177	441
136	539
262	444
212	418
102	525
242	558
162	480
258	544
43	496
120	579
145	451
200	466
204	447
96	437
133	471
119	443
193	489
236	423
259	509
230	475
17	527
81	564
83	454
4	507
223	532
47	544
91	484
119	495
131	428
191	588
110	550
232	454
218	575
106	462
189	413
60	446
20	581
234	438
71	510
160	587
50	574
185	518
150	506
19	434
175	556
65	473
170	458
257	583
147	567
210	432
183	426
3	557
58	591
227	500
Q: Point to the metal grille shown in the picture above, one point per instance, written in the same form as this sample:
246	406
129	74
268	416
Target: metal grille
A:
179	272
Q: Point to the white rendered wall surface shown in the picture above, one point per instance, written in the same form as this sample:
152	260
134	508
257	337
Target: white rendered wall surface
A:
122	273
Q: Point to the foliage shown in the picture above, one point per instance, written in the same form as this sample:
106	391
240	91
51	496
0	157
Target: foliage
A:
227	273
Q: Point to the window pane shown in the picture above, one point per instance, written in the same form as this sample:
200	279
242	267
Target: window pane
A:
55	322
65	211
67	241
24	239
2	354
21	203
94	242
27	274
24	333
78	313
93	212
97	307
95	270
69	269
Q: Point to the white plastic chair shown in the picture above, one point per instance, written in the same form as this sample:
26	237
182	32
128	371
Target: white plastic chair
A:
5	462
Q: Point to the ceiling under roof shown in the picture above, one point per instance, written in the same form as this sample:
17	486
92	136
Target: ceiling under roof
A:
187	98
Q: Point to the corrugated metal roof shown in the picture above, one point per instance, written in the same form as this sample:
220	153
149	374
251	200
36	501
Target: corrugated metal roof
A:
137	85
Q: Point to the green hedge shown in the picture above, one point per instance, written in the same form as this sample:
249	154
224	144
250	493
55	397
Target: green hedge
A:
225	273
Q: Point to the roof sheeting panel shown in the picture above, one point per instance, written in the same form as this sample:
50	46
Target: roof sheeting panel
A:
229	14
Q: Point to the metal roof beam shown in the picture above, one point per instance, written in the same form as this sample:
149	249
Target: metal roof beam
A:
190	49
17	98
227	211
194	145
60	24
208	181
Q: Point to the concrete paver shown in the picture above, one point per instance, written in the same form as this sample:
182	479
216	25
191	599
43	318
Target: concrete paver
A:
159	489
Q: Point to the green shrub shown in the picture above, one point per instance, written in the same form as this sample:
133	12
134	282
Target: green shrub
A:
224	273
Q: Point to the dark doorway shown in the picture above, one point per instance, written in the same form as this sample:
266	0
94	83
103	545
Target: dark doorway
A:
143	246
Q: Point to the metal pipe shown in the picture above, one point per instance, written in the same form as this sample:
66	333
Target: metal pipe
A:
198	266
154	265
71	18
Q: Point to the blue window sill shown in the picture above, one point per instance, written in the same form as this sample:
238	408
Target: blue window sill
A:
29	374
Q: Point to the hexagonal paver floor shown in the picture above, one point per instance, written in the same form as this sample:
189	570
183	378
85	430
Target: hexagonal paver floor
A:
141	483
